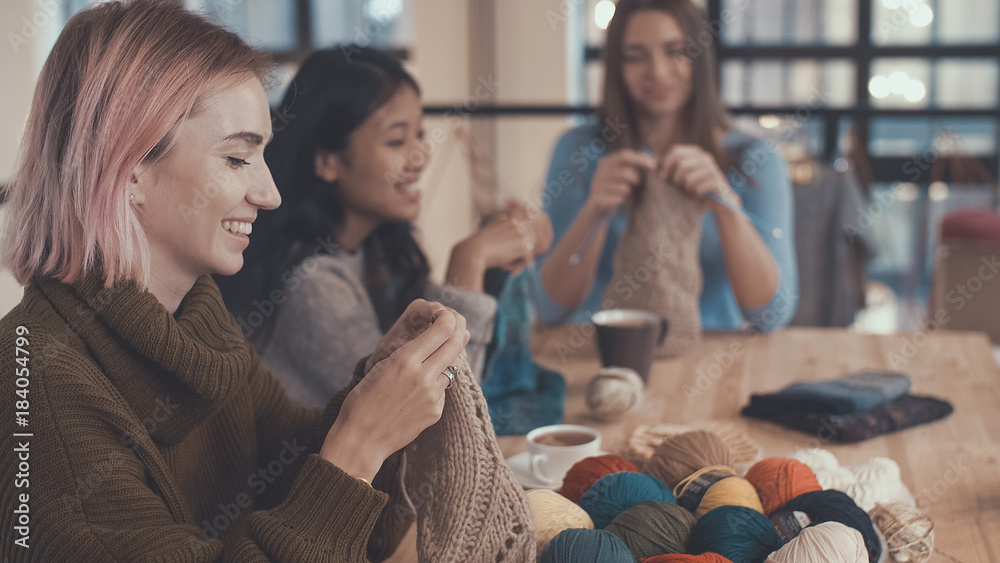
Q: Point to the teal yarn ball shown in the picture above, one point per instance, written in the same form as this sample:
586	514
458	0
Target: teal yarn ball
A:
577	545
613	494
738	533
653	528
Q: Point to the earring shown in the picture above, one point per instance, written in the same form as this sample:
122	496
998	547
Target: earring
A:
131	197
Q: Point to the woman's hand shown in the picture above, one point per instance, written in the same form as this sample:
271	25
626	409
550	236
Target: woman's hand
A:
419	315
616	175
511	240
401	396
696	171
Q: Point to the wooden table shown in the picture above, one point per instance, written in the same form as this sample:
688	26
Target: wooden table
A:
952	466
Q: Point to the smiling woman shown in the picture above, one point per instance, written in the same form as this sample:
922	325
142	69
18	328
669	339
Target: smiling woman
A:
197	203
154	432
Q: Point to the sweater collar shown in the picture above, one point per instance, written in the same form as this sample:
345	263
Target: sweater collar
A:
173	371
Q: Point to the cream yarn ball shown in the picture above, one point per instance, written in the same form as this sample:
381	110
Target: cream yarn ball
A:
614	393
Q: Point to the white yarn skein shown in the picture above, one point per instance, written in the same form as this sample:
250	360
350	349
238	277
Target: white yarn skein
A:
816	458
836	478
614	393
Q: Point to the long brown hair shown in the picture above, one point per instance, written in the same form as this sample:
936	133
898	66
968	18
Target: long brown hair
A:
703	113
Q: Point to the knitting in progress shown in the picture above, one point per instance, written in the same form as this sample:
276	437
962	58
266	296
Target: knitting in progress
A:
656	264
469	504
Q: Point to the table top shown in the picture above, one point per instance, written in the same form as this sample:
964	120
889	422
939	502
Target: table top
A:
952	466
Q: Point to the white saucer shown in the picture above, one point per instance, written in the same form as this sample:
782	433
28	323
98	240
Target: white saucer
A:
522	470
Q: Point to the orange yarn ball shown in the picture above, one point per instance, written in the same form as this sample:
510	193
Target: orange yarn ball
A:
779	480
588	470
707	557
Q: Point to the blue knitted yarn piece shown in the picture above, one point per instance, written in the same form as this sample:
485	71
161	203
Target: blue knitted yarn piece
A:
613	494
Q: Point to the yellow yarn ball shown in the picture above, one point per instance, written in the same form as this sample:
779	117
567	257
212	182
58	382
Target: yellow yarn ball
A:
731	491
614	392
554	513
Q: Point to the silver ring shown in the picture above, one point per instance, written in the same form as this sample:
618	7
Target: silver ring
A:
450	372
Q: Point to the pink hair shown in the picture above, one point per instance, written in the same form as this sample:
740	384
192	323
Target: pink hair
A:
120	78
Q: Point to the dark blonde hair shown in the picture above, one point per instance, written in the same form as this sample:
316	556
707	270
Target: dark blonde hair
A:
703	113
119	80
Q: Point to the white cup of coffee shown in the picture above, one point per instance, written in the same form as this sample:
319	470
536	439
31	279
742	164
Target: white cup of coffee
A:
554	449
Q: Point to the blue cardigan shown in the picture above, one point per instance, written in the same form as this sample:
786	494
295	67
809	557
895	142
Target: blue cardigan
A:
769	197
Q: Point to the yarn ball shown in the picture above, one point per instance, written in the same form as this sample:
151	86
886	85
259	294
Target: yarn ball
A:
586	546
588	470
681	455
779	480
554	513
829	542
876	470
837	478
652	528
738	533
816	458
836	506
614	393
708	557
613	494
909	533
731	491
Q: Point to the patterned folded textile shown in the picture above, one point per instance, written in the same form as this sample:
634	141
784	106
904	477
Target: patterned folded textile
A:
848	394
901	413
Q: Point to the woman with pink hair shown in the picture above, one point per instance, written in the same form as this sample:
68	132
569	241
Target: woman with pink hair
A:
147	428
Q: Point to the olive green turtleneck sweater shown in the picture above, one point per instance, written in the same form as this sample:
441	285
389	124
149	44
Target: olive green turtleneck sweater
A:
160	437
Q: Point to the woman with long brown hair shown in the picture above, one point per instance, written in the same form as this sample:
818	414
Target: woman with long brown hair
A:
661	114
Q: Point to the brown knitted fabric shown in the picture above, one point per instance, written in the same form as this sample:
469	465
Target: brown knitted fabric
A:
656	263
469	504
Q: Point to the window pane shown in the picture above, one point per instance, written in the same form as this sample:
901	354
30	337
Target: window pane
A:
376	23
969	21
955	89
909	136
900	83
799	82
789	22
901	22
894	212
267	24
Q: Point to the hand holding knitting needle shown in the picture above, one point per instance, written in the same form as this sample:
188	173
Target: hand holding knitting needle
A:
402	395
695	170
616	175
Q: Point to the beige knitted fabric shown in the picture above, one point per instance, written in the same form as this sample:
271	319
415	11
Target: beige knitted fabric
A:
469	504
656	263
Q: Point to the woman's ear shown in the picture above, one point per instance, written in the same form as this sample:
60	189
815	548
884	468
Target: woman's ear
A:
138	184
327	166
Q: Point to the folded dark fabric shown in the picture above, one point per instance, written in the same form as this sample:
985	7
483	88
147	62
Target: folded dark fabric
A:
521	395
857	392
901	413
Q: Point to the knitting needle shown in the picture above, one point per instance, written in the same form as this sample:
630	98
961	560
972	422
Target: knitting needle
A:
589	239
